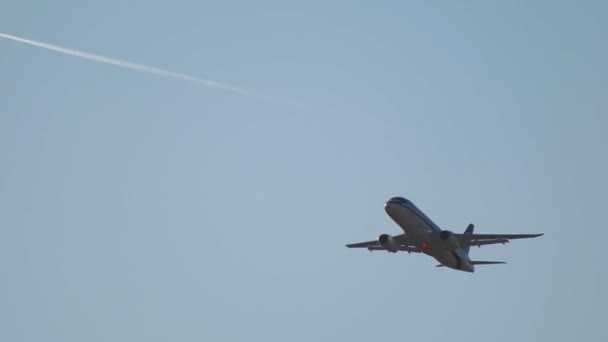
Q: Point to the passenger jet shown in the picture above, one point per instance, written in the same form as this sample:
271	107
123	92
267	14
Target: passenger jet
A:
421	235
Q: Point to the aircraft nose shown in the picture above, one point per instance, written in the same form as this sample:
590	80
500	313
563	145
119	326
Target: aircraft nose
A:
394	201
389	207
398	199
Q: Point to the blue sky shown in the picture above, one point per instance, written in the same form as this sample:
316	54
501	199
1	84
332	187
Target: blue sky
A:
140	208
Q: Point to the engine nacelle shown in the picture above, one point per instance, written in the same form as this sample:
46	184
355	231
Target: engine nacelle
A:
388	243
449	238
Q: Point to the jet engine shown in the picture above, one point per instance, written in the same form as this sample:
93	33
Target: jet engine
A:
388	243
448	238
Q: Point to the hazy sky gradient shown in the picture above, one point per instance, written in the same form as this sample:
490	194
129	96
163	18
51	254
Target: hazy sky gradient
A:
140	208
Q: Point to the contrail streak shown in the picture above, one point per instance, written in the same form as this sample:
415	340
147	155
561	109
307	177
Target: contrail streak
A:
142	68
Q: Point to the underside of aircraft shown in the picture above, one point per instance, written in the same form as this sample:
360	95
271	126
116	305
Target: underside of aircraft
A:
421	235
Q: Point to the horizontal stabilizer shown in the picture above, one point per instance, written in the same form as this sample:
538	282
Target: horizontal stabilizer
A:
477	262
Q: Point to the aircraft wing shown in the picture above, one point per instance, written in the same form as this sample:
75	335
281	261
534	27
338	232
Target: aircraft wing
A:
404	244
489	239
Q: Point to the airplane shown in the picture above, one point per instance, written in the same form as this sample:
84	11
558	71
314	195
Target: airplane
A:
421	235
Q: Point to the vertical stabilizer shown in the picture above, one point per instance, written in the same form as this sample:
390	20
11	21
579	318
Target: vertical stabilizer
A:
469	230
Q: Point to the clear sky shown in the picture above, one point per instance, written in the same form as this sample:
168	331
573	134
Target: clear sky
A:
140	208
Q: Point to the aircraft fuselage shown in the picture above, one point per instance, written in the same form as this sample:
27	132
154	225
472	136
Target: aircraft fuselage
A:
427	235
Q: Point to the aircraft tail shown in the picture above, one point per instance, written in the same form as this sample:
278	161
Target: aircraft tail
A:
469	230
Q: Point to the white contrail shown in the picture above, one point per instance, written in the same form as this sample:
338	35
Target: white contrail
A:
141	67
